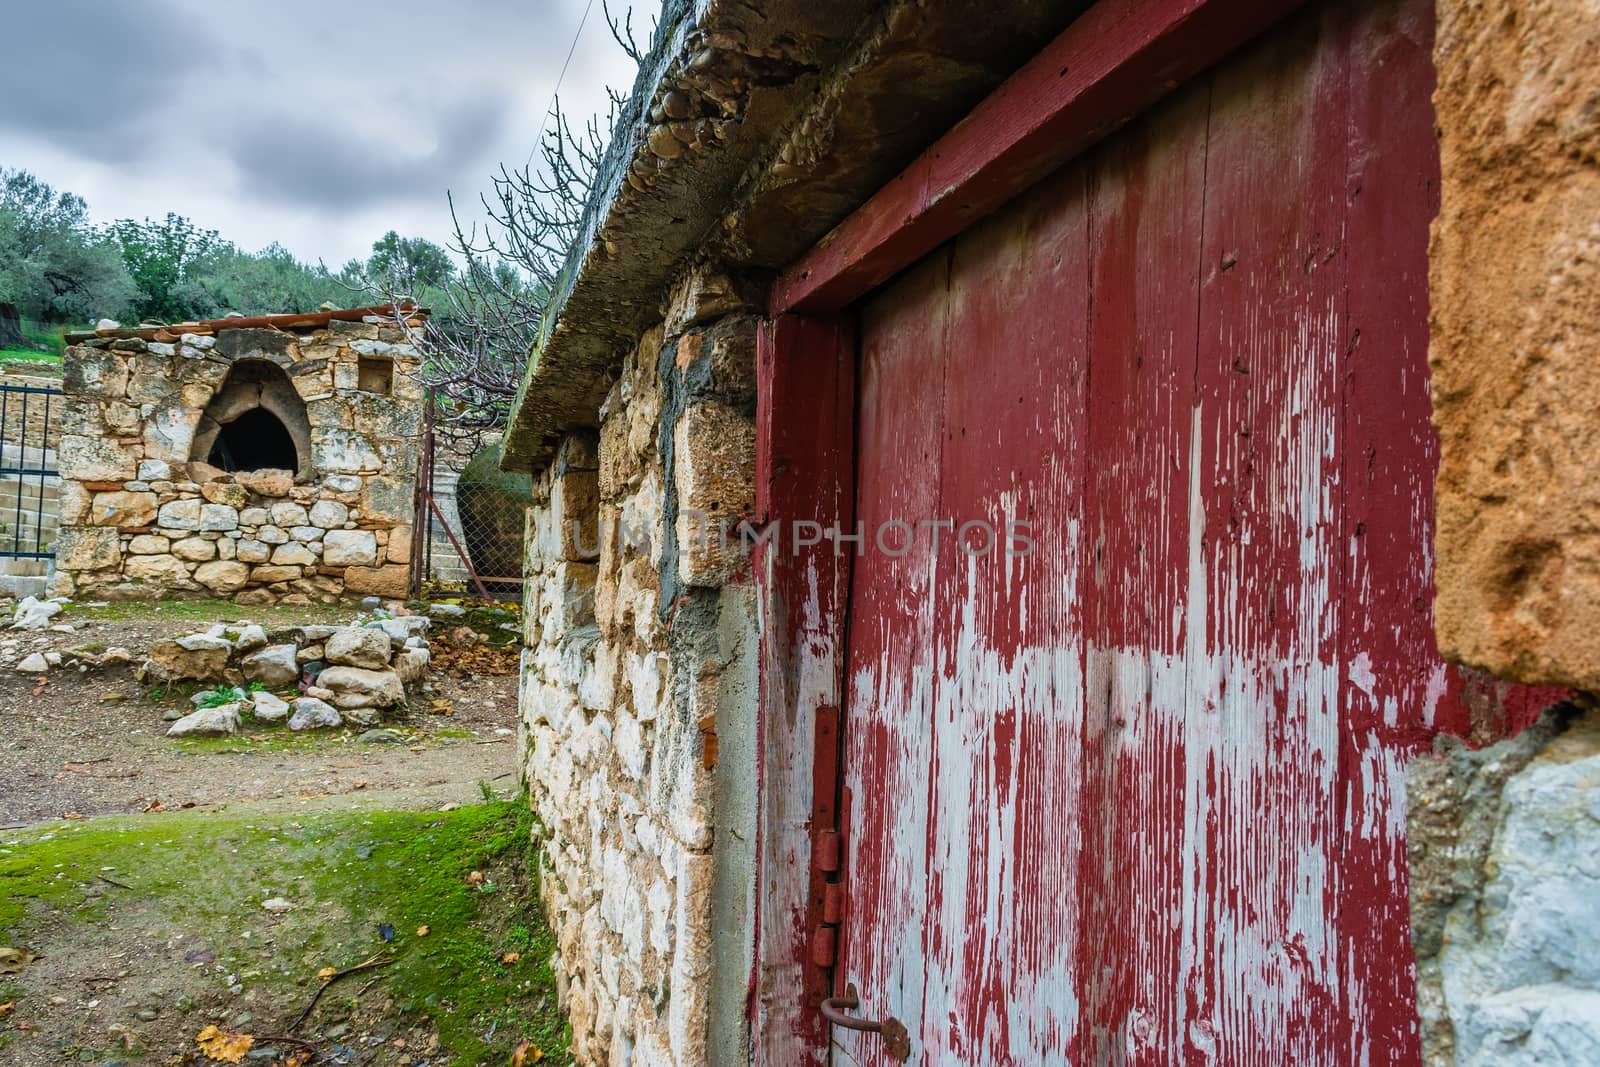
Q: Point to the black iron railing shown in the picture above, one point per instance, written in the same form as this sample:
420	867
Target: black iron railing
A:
30	480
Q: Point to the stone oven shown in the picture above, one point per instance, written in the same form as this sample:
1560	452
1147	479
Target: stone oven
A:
273	459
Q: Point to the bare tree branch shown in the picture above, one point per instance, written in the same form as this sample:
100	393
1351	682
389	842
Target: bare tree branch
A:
485	321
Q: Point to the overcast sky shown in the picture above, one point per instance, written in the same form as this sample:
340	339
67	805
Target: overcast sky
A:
315	123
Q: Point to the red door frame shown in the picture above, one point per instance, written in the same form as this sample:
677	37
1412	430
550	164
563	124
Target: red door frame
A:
1116	60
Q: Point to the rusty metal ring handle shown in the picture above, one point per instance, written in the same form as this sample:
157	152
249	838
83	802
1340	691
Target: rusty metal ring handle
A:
896	1042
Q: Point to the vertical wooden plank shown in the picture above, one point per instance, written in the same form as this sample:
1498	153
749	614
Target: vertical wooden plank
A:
1260	968
1147	199
1005	836
1400	694
891	672
804	464
1394	679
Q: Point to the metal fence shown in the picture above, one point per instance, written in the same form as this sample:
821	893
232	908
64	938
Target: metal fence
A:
470	520
30	482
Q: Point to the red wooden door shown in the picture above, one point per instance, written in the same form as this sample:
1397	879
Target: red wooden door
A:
1136	795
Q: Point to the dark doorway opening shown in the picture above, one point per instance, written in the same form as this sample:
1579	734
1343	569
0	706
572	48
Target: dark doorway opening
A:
256	440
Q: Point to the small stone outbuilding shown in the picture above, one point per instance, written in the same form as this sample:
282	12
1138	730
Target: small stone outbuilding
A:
273	459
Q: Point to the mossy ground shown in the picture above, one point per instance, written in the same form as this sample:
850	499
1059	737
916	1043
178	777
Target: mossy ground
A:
204	876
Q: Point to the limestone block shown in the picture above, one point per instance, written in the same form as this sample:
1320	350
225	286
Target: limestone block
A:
344	452
266	575
345	548
343	483
162	570
271	535
96	459
169	661
122	509
391	580
169	433
1514	345
149	545
195	549
287	513
328	514
252	551
228	493
72	504
293	554
272	666
87	548
399	546
388	501
714	460
305	533
120	419
218	721
313	714
94	370
254	517
179	515
269	708
575	511
345	375
221	576
154	470
359	646
227	547
354	687
217	517
412	664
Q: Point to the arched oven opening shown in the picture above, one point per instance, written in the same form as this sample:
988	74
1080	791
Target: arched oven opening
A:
256	421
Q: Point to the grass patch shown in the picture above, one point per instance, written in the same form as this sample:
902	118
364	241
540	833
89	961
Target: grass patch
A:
345	873
205	611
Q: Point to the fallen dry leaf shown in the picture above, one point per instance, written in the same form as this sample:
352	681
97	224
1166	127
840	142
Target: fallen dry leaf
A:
475	878
224	1046
510	957
422	931
326	973
154	805
5	1009
525	1053
298	1058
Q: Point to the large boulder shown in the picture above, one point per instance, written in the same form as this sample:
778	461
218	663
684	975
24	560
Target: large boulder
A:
222	719
272	666
353	687
313	714
358	646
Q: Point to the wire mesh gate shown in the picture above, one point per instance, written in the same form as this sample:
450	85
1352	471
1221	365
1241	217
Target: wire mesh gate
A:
470	519
30	481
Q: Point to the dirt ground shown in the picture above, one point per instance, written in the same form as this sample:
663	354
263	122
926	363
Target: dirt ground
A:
93	743
156	887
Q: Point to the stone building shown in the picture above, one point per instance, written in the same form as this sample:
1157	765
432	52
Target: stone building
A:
271	459
1154	278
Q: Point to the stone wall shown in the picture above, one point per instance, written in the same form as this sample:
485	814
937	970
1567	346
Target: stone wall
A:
638	702
143	516
1505	896
1515	350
